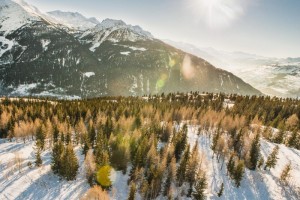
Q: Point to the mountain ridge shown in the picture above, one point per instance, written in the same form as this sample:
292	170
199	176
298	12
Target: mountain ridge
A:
43	58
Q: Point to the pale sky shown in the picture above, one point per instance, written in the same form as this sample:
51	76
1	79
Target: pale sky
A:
262	27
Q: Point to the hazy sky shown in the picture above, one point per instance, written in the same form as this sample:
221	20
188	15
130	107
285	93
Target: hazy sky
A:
263	27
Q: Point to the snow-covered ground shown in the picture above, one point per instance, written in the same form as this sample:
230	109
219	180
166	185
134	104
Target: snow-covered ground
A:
259	184
23	182
35	183
40	183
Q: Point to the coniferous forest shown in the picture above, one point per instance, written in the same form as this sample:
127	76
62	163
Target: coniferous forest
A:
147	138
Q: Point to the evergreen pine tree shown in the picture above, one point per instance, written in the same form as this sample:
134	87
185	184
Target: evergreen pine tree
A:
239	172
57	153
285	174
220	193
55	134
294	140
231	165
200	186
132	191
182	166
40	135
92	135
215	140
70	163
167	185
180	141
85	148
191	168
272	158
38	159
254	152
68	138
101	150
62	137
279	137
260	162
237	143
170	176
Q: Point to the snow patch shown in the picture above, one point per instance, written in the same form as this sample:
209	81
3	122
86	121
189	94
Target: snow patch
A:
137	48
125	53
88	74
45	43
24	89
5	45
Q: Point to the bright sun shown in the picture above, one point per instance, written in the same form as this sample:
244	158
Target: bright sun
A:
218	13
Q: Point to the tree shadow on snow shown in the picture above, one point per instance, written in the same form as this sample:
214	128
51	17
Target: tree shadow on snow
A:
49	186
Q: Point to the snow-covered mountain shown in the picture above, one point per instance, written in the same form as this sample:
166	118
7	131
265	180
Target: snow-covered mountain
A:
15	14
73	19
54	54
114	31
272	76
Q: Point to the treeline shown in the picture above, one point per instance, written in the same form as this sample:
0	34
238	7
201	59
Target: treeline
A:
146	137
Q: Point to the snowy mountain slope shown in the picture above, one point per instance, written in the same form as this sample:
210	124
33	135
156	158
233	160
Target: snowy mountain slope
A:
272	76
15	14
41	183
115	31
42	57
73	20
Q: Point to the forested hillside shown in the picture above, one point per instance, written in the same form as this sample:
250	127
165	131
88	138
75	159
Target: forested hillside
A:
171	146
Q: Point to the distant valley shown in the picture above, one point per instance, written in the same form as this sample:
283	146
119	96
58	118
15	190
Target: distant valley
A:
272	76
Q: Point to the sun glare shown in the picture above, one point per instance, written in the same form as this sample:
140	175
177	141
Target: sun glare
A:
218	13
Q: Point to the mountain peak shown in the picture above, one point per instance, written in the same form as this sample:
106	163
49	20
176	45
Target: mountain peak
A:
73	19
118	24
16	13
109	23
94	20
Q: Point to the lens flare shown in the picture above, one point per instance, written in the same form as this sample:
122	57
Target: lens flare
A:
160	83
188	69
172	62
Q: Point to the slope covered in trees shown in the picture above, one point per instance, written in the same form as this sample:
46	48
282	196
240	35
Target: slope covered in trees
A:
176	145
